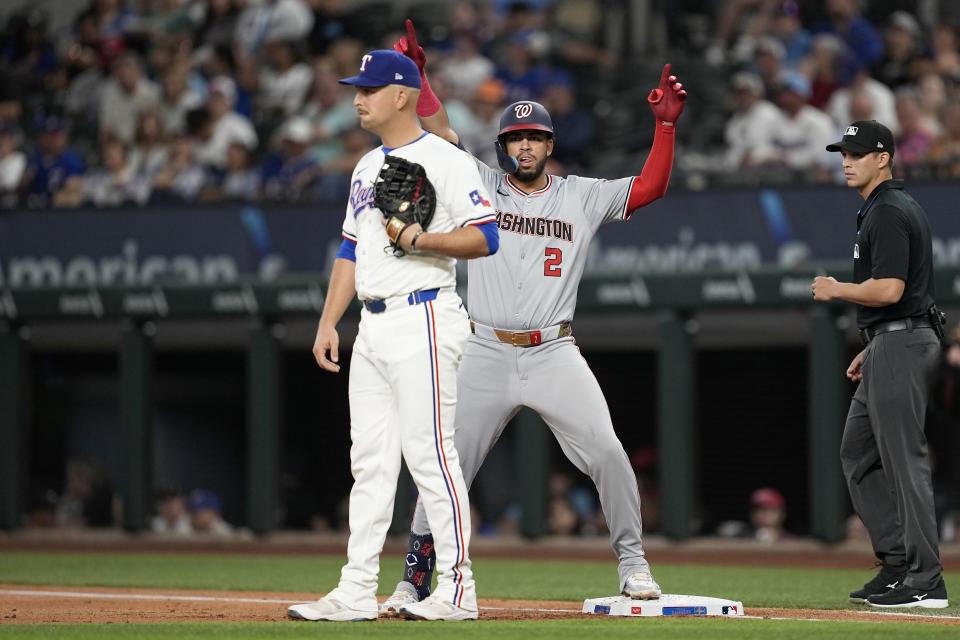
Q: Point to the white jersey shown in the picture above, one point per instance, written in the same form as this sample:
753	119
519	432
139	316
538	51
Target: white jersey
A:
462	200
532	281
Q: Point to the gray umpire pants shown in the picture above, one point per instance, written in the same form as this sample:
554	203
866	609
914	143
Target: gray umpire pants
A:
884	453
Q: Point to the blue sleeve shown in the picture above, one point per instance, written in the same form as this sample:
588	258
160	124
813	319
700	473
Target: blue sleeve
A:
492	232
73	163
348	250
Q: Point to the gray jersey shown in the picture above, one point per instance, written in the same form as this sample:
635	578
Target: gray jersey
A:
544	240
530	284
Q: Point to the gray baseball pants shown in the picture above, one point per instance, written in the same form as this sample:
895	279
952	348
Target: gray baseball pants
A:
495	380
884	453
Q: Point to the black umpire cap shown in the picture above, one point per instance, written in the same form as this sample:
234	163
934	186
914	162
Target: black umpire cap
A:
865	136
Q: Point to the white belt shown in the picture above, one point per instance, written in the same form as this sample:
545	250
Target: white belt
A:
521	338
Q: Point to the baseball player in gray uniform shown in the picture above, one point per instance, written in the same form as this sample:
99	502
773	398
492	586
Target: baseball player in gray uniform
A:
521	303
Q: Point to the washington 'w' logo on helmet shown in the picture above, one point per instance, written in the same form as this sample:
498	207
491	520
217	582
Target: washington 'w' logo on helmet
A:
523	110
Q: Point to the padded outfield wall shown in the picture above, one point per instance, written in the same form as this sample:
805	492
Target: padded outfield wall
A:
718	281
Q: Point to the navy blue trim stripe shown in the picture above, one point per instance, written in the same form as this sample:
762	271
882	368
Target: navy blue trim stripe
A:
438	447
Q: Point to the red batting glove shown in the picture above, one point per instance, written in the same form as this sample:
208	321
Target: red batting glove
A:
668	99
408	46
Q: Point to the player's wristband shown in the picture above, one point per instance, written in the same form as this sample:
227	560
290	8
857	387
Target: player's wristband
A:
413	240
428	103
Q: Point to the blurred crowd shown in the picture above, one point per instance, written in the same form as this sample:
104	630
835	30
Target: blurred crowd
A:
129	102
802	71
89	500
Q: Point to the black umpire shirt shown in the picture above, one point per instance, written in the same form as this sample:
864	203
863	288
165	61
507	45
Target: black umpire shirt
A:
893	241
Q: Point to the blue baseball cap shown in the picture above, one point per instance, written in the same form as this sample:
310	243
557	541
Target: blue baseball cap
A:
794	81
385	66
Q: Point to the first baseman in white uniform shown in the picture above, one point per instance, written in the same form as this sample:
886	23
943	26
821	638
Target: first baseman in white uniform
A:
521	302
413	329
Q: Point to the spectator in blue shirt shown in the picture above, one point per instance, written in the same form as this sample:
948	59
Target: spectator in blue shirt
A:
522	73
864	42
52	163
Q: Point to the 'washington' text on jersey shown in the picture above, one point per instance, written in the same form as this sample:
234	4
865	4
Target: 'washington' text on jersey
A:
543	227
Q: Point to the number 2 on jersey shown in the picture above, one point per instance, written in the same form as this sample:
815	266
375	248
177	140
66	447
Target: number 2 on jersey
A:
551	266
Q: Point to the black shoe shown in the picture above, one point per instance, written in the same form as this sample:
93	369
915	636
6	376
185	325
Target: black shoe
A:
884	581
904	596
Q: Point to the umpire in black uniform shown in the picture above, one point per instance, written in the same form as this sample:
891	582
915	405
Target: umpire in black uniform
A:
884	449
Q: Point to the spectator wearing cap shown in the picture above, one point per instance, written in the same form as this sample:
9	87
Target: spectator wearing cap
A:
903	54
205	514
768	511
804	131
788	28
881	97
226	125
291	174
126	95
51	164
749	131
13	164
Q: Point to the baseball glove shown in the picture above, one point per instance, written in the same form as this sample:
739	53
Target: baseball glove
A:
405	196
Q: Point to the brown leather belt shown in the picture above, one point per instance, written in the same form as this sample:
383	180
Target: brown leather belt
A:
522	338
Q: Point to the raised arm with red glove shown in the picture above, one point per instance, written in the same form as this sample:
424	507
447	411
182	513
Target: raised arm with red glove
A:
427	104
666	102
432	115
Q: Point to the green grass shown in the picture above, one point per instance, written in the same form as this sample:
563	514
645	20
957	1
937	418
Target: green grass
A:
496	578
603	628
